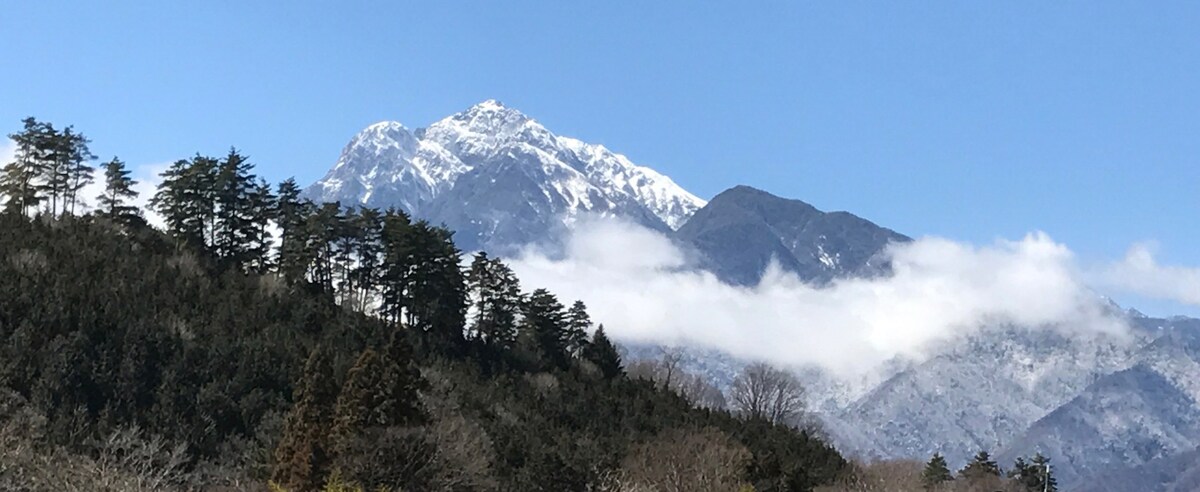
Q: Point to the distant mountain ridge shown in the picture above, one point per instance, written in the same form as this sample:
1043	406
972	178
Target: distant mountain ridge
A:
742	229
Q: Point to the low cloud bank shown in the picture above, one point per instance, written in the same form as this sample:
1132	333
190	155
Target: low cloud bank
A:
641	287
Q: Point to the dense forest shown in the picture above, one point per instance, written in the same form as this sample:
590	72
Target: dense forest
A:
260	341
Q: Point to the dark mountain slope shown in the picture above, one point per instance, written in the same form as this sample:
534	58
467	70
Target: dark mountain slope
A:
742	229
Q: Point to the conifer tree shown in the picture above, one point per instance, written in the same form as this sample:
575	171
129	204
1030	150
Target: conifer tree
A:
361	400
367	250
1040	469
118	191
242	205
77	173
186	200
980	466
397	266
578	323
495	296
603	353
19	179
936	472
303	454
544	328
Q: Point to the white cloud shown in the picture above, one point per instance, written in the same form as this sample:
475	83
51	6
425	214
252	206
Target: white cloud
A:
637	283
1139	273
8	151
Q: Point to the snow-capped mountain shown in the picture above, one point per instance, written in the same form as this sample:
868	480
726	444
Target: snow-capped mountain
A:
498	178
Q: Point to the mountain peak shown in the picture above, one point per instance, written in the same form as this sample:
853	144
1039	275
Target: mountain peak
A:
496	175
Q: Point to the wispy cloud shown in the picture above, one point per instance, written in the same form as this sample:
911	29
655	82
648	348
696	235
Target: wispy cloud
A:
637	282
1140	273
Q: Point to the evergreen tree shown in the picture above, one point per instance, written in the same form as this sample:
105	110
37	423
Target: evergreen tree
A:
367	250
543	328
936	472
1034	475
303	454
77	173
242	205
980	466
578	323
1040	469
118	191
19	179
397	266
495	296
361	400
291	215
603	353
439	296
187	201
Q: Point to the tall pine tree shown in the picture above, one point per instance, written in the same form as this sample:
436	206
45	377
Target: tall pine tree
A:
936	472
113	202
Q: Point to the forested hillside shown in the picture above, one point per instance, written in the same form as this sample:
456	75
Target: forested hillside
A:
265	341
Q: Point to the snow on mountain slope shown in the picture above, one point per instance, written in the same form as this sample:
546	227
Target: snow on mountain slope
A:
539	179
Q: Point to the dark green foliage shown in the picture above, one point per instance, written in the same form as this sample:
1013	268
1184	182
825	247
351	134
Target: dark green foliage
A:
577	325
495	296
302	460
980	466
936	472
543	330
113	202
1034	475
603	354
50	167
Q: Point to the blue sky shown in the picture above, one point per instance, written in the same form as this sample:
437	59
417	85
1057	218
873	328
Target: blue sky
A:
971	120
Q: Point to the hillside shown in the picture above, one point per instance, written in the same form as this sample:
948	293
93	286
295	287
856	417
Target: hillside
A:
131	357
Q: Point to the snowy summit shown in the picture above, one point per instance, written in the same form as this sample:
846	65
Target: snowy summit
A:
498	177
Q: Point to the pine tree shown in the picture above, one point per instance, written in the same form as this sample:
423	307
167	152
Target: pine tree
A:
77	173
433	299
1040	469
243	207
303	455
187	201
543	328
19	180
291	215
367	250
578	323
981	465
1034	475
495	296
118	191
397	266
936	472
603	353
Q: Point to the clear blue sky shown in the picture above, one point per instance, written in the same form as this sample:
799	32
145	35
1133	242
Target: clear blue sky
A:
972	120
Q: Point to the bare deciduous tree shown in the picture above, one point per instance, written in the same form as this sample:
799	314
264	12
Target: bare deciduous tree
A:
763	391
677	461
667	373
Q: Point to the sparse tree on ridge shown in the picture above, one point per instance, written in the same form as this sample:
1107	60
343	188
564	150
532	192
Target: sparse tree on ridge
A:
113	202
